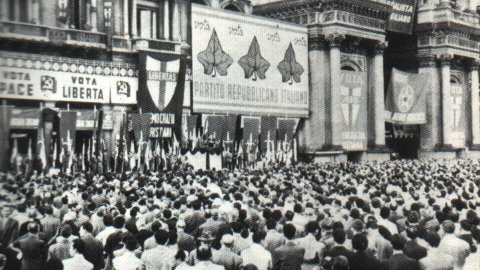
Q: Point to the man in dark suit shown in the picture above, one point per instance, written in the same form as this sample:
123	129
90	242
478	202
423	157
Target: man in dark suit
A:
93	247
131	224
8	226
362	260
412	249
399	260
338	249
33	249
289	256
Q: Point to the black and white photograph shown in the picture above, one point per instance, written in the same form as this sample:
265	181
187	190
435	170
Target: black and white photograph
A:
239	135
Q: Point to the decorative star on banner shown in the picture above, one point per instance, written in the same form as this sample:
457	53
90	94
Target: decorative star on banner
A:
214	59
253	63
290	69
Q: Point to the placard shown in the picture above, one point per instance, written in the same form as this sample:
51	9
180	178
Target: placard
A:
235	69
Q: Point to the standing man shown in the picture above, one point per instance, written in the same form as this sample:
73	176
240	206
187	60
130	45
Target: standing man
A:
33	249
8	226
290	255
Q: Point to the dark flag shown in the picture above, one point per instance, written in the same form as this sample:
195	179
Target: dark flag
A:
286	129
268	132
141	126
251	130
161	87
68	130
406	98
5	115
229	129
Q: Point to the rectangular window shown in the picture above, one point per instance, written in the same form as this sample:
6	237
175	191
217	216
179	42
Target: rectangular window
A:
147	23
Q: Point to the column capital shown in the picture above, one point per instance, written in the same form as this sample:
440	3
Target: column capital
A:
316	43
380	47
445	59
427	61
335	40
474	64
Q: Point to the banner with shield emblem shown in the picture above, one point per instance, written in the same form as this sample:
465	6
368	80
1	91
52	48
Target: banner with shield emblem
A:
406	98
354	110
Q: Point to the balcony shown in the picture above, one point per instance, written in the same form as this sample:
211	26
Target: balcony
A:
41	33
145	44
445	15
81	38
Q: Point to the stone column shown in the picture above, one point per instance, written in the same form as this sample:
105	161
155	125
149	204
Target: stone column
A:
430	133
475	104
166	20
176	21
315	127
35	17
93	15
445	61
4	10
184	20
379	99
126	26
134	19
334	41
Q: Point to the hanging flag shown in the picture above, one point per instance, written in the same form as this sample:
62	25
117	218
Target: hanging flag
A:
268	131
82	157
406	101
5	116
140	144
132	156
161	89
229	129
141	126
70	152
14	154
286	129
42	155
251	130
68	121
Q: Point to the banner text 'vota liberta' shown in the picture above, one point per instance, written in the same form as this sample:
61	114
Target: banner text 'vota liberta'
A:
63	79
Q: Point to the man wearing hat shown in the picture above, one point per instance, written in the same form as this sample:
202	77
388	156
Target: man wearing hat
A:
225	256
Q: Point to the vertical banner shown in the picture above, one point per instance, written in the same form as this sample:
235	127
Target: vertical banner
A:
108	20
213	126
268	132
161	91
406	98
192	127
68	130
458	108
62	10
141	126
286	129
354	110
251	130
5	114
230	130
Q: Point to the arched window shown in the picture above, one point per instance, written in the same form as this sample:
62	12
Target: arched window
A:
232	7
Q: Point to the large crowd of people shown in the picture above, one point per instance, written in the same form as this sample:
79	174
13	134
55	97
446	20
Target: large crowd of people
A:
395	215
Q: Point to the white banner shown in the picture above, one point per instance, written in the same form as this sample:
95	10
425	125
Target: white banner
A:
57	81
248	65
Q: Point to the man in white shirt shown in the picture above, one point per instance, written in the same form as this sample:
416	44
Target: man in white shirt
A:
108	230
78	261
313	248
256	254
128	260
454	246
161	256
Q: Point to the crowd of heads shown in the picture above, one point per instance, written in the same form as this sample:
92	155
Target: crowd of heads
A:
332	216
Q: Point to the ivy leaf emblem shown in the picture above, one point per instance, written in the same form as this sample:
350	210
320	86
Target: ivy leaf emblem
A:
290	69
214	59
253	63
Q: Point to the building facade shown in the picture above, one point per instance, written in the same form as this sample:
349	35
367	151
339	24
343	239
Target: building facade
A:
369	39
82	56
